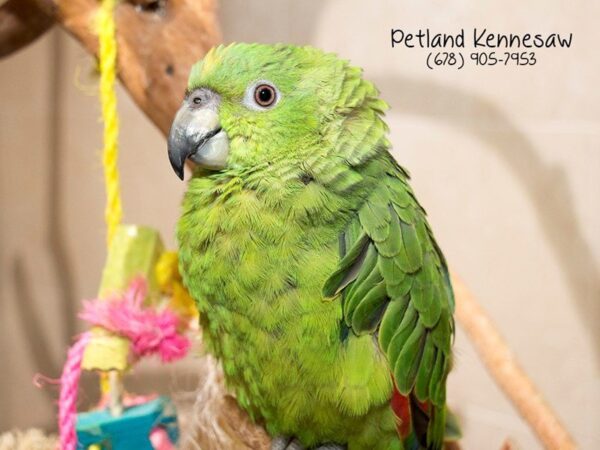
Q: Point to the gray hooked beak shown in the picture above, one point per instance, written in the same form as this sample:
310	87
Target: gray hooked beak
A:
196	133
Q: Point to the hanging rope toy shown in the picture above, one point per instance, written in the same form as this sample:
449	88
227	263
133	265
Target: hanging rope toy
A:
142	310
150	331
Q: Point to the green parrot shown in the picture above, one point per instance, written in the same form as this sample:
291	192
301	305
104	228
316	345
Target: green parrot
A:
319	283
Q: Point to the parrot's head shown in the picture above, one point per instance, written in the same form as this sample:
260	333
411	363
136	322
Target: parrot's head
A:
248	105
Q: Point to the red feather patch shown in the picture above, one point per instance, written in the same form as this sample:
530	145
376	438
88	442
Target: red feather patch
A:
401	407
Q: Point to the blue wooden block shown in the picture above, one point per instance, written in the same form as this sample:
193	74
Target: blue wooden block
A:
131	430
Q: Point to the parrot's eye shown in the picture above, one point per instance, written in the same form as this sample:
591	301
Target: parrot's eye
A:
261	95
265	95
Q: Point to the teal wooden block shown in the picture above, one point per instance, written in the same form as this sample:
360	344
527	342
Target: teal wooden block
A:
129	431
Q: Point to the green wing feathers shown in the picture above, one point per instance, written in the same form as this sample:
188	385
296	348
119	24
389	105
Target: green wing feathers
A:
394	284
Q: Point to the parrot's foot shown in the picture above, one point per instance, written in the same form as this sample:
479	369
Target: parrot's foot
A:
285	443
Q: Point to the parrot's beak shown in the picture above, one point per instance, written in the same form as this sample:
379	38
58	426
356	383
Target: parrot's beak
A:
197	135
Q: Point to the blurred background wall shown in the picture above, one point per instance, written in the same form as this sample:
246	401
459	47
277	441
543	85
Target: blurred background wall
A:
505	159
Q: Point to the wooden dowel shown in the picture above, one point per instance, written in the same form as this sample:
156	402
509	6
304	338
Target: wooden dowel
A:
506	371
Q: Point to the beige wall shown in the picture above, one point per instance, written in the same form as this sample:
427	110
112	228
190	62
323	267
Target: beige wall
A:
506	161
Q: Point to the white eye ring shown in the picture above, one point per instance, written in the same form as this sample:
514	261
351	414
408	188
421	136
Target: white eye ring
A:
251	97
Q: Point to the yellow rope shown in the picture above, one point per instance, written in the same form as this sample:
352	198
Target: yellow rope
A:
167	270
108	69
107	54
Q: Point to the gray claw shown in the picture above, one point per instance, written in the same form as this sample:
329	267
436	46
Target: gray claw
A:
286	443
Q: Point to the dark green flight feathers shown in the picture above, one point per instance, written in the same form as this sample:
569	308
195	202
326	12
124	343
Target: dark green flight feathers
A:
394	284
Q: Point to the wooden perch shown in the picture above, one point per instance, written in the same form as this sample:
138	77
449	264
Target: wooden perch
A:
157	47
507	372
21	22
158	41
